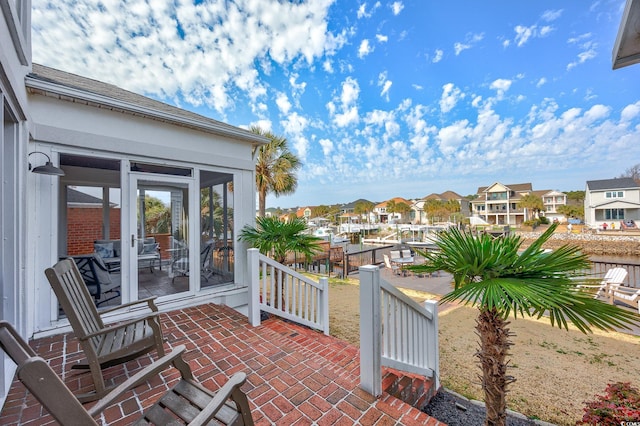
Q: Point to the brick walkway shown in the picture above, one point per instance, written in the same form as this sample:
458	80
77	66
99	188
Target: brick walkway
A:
296	376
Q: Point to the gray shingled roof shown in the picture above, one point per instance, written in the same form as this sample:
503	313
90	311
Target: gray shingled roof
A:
616	183
132	102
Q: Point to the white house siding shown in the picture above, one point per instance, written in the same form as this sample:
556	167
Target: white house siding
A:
595	201
15	59
59	126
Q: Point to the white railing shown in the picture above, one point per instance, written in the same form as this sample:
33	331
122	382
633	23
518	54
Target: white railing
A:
395	332
279	290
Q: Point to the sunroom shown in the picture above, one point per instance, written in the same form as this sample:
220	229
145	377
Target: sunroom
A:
151	196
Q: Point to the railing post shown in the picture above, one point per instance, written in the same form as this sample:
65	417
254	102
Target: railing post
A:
253	265
370	349
324	305
433	348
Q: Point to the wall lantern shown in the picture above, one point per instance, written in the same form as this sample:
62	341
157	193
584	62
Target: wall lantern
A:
48	168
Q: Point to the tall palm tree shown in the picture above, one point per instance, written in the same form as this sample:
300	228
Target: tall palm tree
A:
496	277
275	169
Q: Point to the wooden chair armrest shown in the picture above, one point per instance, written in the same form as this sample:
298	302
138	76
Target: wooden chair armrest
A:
208	413
112	327
150	301
625	290
140	377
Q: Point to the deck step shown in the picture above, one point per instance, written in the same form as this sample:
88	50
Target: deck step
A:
412	389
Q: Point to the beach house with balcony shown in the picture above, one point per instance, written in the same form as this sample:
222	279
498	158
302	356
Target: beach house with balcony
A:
498	204
552	200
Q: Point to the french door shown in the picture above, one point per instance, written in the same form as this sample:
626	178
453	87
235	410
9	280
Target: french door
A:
162	230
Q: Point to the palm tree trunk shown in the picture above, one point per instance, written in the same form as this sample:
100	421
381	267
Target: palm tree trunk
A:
494	348
262	202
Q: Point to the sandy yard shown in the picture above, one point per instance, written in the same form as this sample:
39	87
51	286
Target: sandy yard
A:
556	370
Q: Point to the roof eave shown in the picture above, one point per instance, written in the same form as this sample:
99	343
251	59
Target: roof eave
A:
626	50
47	89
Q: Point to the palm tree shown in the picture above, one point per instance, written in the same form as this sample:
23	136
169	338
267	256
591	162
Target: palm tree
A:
532	202
273	237
494	276
275	168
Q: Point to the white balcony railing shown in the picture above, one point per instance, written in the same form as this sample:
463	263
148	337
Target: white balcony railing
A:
276	289
395	332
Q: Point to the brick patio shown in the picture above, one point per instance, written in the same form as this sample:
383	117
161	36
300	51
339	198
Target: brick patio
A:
296	376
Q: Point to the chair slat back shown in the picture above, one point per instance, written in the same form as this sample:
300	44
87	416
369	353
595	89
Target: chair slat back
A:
615	276
41	380
76	301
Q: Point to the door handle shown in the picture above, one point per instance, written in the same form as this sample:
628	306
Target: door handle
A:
133	240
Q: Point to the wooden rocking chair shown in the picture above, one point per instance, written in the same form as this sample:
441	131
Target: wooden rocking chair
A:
188	402
103	345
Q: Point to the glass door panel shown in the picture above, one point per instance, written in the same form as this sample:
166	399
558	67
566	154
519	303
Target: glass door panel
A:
216	229
161	244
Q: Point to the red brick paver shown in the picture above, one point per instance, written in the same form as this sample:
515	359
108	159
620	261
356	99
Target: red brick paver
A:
294	375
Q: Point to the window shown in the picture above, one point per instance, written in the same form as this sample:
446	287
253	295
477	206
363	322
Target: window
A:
614	214
614	194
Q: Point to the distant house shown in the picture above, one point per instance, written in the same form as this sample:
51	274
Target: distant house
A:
382	213
304	213
552	200
498	204
419	213
611	201
347	212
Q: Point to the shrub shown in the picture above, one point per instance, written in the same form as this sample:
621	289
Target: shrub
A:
620	404
544	220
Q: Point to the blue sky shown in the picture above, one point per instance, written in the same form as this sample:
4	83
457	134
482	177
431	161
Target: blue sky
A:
378	99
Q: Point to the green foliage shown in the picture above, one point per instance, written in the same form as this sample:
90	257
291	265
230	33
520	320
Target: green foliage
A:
571	210
273	237
576	196
620	404
494	273
532	202
157	216
543	220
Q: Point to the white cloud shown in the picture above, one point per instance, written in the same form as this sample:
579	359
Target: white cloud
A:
630	112
541	82
470	41
385	84
364	49
264	124
588	52
223	44
523	34
500	85
294	126
551	15
282	101
450	97
382	38
362	10
397	7
348	109
437	56
459	47
385	89
327	146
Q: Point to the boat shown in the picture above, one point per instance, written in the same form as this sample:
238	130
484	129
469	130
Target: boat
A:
328	235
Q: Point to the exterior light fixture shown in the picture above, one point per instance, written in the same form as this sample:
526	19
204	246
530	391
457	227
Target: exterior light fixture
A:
48	168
